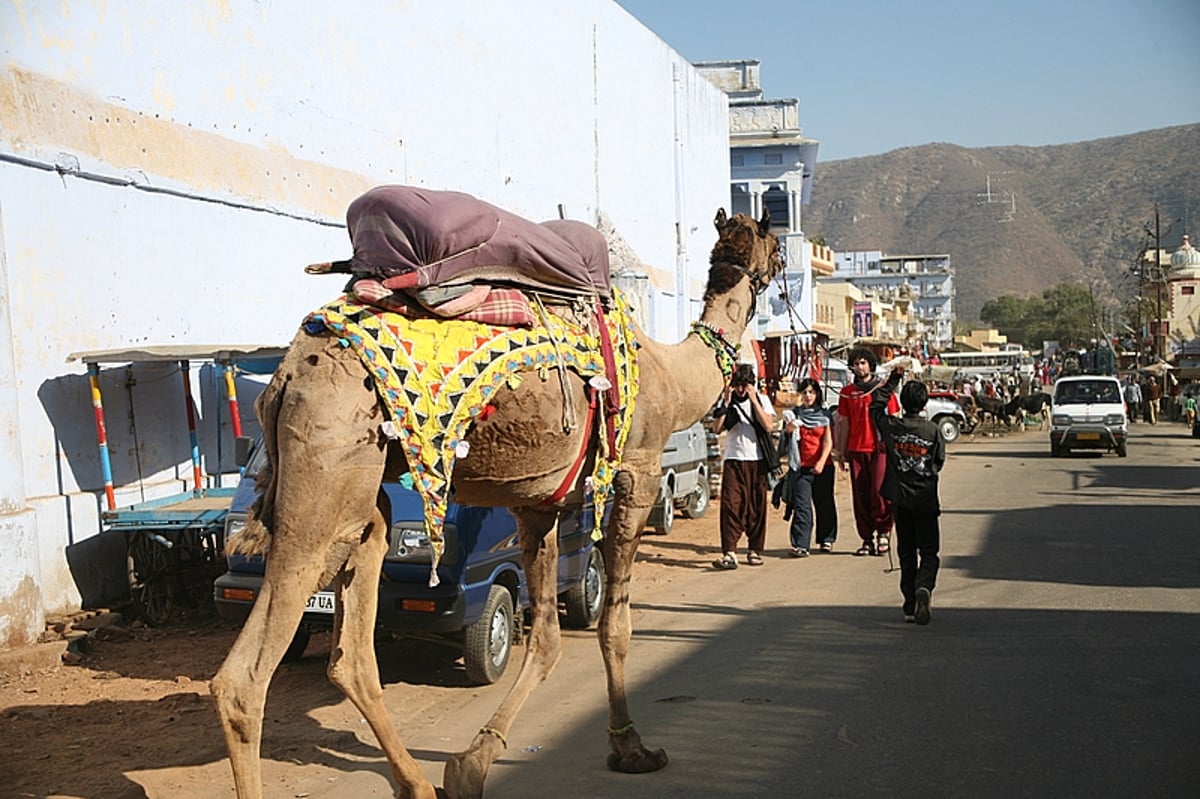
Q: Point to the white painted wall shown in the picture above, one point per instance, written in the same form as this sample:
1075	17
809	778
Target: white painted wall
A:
167	169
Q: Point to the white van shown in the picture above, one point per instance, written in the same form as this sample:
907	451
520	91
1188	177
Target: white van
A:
1087	412
684	483
835	375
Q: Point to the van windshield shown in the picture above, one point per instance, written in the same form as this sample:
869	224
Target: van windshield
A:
258	459
1078	392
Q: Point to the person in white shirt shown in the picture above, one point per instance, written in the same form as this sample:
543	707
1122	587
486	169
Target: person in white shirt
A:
742	412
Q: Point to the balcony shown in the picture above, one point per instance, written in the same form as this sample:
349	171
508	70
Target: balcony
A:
822	259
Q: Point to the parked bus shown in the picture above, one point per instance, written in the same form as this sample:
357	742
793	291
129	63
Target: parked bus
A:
988	364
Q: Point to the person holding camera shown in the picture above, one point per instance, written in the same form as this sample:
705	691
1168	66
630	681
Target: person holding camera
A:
743	475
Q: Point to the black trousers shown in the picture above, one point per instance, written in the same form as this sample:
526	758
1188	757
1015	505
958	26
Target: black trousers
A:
918	538
824	505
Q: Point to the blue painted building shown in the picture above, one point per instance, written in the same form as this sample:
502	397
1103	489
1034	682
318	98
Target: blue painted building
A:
771	169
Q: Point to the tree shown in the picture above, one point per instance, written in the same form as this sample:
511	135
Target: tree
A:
1067	314
1010	315
1064	313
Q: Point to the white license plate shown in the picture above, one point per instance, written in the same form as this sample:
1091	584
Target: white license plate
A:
320	602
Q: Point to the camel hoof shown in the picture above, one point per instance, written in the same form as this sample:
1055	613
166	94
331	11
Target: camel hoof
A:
639	761
464	775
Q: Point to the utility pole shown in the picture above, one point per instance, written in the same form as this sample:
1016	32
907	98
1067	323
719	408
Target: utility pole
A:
1159	339
1160	336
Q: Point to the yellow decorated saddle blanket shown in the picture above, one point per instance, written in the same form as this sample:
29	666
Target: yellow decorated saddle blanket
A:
435	376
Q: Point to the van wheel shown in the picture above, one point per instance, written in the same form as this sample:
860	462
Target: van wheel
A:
666	519
948	428
299	643
488	642
1121	451
585	599
1056	450
698	501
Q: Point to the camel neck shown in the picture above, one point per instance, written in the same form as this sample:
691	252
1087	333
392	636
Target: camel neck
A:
711	349
730	311
700	388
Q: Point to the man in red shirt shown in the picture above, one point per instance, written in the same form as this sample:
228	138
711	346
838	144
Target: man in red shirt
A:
860	449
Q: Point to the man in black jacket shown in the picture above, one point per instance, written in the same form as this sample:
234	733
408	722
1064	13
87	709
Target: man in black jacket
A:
915	455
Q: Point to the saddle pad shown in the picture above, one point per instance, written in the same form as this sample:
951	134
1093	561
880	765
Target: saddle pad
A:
435	376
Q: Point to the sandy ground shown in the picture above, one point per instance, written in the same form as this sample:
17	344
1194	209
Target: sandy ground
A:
130	699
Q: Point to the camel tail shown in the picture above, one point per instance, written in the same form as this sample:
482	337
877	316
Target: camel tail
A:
256	536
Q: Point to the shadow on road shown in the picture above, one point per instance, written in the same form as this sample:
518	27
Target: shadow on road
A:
852	702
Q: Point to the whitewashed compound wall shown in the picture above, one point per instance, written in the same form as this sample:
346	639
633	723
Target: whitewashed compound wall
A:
167	168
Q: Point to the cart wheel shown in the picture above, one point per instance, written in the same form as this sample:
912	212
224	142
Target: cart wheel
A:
197	565
149	564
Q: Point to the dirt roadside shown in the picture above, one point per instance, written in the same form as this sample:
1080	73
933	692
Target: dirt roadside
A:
128	714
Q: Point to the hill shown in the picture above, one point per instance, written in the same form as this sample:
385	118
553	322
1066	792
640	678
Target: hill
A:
1069	212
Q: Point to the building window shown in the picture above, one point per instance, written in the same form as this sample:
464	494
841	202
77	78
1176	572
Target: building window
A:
736	160
1187	290
775	200
739	200
773	158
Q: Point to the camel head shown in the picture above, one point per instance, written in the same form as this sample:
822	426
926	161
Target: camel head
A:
744	248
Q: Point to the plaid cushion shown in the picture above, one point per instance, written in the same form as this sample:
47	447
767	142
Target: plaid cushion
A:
502	306
509	307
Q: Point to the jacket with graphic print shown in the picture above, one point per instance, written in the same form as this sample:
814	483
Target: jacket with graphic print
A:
915	453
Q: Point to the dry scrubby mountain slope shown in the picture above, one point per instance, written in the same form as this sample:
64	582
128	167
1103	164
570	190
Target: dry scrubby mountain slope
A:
1079	212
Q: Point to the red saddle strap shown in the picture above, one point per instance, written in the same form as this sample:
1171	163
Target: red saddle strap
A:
612	395
573	472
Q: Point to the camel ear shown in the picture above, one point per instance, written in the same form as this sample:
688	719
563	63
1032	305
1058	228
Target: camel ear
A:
764	224
721	218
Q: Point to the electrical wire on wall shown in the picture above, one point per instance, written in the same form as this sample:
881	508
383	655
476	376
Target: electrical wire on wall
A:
71	168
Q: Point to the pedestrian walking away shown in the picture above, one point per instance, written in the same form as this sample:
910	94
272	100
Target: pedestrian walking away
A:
1133	397
915	455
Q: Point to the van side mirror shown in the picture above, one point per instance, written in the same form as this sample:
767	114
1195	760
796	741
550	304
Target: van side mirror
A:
241	450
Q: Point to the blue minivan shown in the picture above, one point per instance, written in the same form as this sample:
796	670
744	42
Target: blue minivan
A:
480	601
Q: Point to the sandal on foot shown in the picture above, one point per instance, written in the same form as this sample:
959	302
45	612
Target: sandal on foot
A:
754	559
865	549
885	545
728	561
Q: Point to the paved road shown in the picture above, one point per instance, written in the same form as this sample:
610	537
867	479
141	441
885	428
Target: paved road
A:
1061	661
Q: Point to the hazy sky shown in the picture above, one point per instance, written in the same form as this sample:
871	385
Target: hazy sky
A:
875	75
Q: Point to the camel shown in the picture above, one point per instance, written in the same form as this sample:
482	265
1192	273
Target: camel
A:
321	419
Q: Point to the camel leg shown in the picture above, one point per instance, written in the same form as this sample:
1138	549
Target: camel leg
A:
352	664
324	488
240	686
631	507
466	771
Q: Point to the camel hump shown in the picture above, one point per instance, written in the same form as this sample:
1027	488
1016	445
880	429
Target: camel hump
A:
448	237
